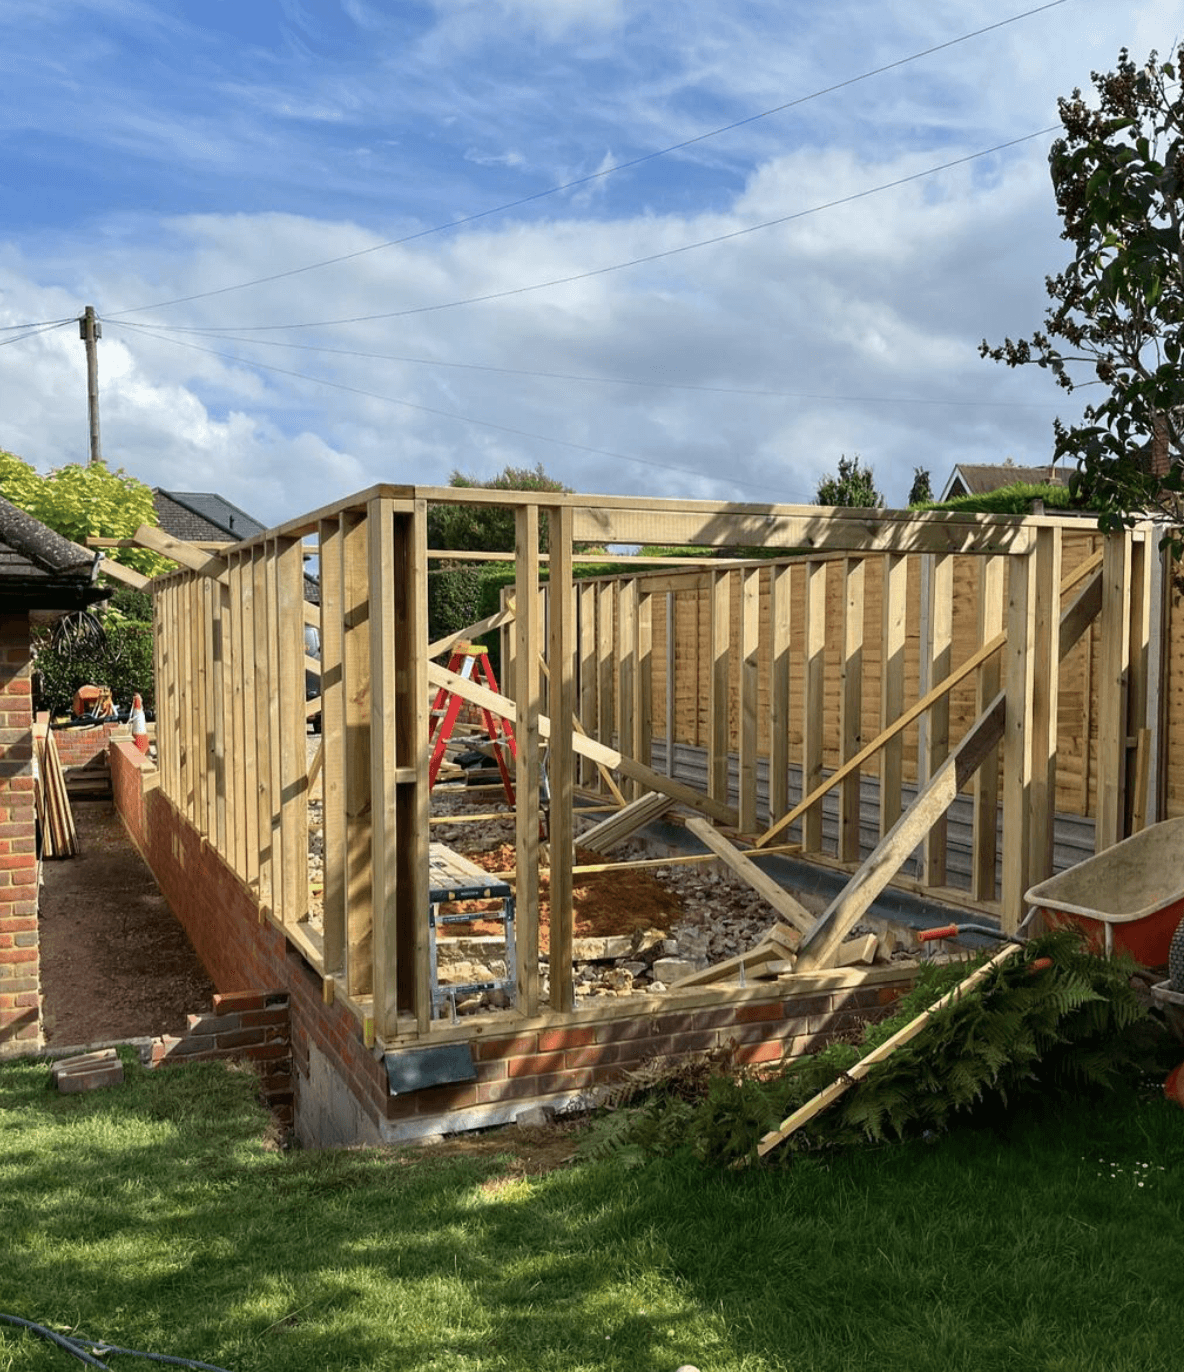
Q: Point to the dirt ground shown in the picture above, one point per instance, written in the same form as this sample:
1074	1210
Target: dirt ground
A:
114	962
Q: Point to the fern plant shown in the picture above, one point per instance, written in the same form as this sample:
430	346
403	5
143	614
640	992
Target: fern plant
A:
1027	1029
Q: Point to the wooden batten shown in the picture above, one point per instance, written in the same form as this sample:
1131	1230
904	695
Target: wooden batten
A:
893	603
719	694
1113	674
986	783
813	701
332	596
527	734
939	649
851	705
1020	663
561	759
380	539
780	643
356	755
748	689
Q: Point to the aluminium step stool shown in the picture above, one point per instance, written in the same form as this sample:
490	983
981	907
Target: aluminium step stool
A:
453	877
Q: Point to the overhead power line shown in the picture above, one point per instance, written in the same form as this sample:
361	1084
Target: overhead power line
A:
615	266
33	331
36	324
599	174
160	330
157	336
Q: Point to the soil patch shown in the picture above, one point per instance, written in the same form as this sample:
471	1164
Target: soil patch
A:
625	901
115	963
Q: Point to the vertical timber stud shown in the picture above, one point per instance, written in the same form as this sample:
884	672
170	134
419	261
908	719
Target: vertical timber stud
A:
587	594
162	675
293	726
359	901
274	732
627	675
219	617
412	743
750	624
1017	737
941	620
264	695
236	662
1144	565
893	602
381	547
249	762
643	680
780	623
605	602
717	707
561	756
1046	617
1113	673
204	595
813	701
526	786
985	844
333	743
851	705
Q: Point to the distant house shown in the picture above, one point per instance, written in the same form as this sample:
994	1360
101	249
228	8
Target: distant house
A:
969	478
42	575
203	517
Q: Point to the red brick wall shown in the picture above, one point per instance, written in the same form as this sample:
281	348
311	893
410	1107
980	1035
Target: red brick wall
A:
221	918
534	1065
77	747
20	996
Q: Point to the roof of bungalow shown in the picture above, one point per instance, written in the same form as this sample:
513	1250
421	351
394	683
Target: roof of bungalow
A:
39	569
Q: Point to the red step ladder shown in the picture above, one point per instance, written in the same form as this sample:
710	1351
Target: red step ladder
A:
471	661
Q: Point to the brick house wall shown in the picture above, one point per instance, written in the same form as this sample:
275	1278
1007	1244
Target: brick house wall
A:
517	1065
20	992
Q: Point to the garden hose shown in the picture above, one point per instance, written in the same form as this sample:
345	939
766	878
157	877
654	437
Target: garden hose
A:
78	1347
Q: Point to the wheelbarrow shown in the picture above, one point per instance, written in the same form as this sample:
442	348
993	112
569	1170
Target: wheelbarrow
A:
1127	899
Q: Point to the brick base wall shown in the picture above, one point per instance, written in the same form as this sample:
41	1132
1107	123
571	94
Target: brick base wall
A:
20	989
78	747
535	1064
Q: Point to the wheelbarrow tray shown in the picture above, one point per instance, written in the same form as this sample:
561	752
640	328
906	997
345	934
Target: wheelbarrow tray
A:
1127	899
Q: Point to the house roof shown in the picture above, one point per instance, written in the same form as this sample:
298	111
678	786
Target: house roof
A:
979	478
39	569
202	516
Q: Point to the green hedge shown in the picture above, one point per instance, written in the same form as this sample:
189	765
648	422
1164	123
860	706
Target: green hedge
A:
124	665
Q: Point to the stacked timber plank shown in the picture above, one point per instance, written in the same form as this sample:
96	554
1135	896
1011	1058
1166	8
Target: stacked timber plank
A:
606	835
59	838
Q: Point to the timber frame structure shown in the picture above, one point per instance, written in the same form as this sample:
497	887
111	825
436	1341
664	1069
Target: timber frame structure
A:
787	686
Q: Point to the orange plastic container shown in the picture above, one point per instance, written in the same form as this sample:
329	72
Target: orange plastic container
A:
1127	899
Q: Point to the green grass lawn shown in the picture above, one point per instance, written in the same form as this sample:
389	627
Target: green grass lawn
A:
153	1216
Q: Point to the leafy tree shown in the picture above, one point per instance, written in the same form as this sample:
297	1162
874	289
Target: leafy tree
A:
855	485
486	528
920	491
85	502
1117	313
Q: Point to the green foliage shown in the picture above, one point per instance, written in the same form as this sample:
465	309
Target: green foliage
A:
1072	1027
123	663
920	491
854	485
85	502
1117	312
487	528
1009	500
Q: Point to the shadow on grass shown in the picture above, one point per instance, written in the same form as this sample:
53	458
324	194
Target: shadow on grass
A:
152	1215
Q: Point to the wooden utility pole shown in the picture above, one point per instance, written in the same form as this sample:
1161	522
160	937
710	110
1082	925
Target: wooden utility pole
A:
90	331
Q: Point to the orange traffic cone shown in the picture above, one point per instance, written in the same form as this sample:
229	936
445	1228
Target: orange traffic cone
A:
139	724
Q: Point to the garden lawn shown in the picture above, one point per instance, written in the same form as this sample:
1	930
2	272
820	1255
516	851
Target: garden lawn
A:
153	1216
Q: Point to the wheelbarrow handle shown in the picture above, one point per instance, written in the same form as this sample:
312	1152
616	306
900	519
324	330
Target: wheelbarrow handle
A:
946	931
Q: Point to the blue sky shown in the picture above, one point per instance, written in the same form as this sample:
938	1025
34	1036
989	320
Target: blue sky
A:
155	151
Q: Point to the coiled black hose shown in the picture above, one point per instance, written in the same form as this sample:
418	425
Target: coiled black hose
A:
78	1347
